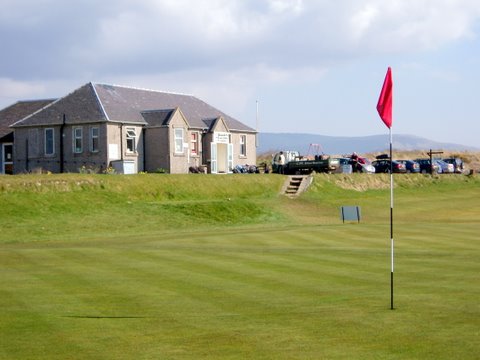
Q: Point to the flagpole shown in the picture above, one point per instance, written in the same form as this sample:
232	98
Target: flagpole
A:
391	218
384	108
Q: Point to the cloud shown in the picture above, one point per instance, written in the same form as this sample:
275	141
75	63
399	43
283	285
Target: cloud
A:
240	44
402	26
15	90
48	38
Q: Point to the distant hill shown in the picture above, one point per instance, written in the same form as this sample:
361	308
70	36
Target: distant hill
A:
270	142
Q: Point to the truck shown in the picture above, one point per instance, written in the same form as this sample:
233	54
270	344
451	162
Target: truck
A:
299	165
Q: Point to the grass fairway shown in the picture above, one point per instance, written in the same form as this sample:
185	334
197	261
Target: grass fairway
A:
288	281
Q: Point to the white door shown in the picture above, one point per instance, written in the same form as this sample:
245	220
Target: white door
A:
213	158
230	157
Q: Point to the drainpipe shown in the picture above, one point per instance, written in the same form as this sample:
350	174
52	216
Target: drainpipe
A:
121	142
26	156
144	150
62	127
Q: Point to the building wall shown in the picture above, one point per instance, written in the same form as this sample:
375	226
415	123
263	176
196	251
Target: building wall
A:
160	148
29	153
250	156
118	148
111	141
196	158
179	163
87	158
1	158
156	149
29	150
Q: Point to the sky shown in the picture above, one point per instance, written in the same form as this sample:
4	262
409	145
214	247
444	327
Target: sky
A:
283	66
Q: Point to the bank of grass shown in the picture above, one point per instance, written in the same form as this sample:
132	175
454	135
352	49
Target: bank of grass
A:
49	207
287	282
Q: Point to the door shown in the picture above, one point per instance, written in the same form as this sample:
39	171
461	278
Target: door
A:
230	157
213	158
7	167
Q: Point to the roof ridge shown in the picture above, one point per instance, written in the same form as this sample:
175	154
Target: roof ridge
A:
142	89
34	100
36	112
158	110
99	101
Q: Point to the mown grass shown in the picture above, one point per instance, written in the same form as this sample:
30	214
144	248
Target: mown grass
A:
127	274
52	207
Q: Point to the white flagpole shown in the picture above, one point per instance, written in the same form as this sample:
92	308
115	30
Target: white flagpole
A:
391	218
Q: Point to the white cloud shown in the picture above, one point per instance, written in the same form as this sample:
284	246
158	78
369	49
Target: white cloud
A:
407	25
227	51
286	6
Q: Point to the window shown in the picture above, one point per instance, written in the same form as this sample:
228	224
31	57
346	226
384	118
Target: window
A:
194	143
243	145
179	140
94	131
77	140
49	142
131	140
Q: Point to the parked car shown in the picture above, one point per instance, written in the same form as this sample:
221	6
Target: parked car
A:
446	167
349	165
411	166
363	165
383	166
427	168
457	163
345	166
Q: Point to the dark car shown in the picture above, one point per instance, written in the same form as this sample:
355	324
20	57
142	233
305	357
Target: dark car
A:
457	164
383	166
410	165
426	167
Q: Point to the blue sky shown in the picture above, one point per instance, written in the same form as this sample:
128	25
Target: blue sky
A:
314	66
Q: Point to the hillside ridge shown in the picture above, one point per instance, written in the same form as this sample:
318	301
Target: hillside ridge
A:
269	142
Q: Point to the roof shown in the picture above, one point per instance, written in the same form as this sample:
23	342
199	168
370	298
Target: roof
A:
18	111
101	102
81	106
121	103
158	117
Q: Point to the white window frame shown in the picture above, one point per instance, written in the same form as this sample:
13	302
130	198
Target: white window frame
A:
131	135
46	141
243	146
94	145
77	139
178	140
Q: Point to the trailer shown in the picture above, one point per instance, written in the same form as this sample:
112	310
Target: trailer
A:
298	165
320	164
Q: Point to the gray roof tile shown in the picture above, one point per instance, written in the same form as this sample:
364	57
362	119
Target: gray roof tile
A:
17	111
81	106
101	102
122	103
158	117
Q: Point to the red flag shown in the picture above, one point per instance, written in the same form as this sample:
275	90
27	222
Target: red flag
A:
384	105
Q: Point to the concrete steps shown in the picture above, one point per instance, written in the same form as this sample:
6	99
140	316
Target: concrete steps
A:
295	184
